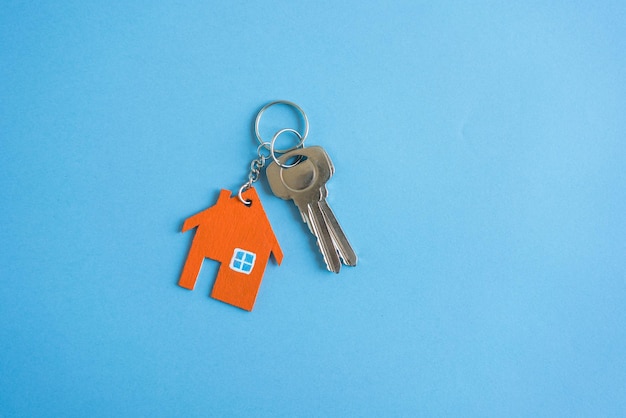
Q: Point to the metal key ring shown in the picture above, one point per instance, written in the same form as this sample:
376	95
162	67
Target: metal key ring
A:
273	151
301	136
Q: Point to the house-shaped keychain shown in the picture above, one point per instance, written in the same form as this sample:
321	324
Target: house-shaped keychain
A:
240	237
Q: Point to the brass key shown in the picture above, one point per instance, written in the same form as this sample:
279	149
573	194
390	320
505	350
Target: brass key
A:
305	184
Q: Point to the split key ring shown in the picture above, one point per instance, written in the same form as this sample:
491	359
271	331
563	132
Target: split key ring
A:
271	148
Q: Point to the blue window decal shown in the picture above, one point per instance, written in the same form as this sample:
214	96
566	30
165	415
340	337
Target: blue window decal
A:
242	261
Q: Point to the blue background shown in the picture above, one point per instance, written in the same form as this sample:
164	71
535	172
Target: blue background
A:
479	153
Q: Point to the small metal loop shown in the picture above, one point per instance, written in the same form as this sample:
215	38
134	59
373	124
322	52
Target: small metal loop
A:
273	151
253	177
256	166
243	188
301	136
263	146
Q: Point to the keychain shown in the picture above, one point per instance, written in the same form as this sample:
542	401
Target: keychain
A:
235	231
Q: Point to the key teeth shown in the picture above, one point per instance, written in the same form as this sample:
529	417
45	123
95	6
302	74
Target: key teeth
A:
319	248
312	216
308	224
345	256
345	259
340	241
328	266
338	263
350	263
342	258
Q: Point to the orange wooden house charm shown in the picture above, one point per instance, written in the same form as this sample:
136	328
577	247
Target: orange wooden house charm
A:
240	237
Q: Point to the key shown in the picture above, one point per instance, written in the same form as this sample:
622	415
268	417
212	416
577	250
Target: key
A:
305	184
342	244
301	183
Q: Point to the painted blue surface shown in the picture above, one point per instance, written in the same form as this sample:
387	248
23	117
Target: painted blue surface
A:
242	261
480	174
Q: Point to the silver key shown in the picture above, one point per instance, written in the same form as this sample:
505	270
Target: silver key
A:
305	184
